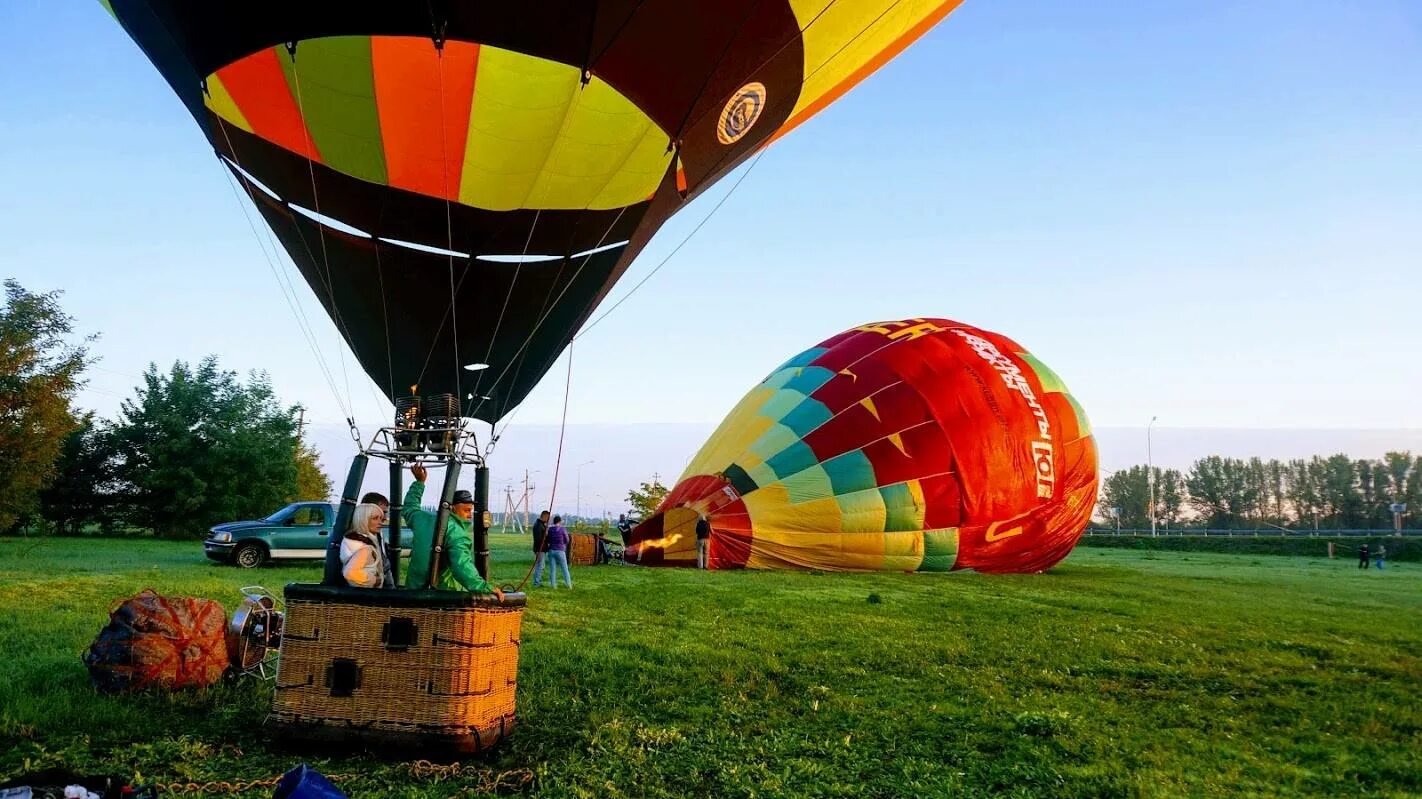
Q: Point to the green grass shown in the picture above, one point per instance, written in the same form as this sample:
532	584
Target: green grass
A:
1120	673
1345	547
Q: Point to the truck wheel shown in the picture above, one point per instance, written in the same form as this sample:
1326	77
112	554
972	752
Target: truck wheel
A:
249	555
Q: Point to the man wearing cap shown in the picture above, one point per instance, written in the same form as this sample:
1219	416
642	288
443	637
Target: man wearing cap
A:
457	572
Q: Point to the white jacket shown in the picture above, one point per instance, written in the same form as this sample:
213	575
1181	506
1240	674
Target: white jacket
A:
363	562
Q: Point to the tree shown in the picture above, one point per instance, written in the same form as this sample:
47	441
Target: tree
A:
1220	490
311	482
196	447
1338	483
645	499
1274	481
1125	497
1400	480
83	490
1302	486
1170	496
40	370
1129	490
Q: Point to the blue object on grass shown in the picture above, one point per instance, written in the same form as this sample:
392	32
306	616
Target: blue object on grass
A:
304	782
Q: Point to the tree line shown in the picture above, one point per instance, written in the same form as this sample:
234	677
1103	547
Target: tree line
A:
194	446
1325	493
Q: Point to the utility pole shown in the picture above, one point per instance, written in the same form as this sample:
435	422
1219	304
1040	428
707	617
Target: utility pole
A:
1150	476
300	426
525	498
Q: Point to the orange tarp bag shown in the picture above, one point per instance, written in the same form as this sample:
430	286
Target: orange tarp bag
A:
156	641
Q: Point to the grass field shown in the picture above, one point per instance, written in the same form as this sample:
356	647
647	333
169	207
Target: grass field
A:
1120	673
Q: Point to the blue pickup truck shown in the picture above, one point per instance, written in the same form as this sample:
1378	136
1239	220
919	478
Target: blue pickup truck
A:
300	531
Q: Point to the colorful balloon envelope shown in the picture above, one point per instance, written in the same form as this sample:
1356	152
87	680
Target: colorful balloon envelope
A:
913	445
461	183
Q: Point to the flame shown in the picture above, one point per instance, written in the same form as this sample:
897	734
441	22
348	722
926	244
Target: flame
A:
663	542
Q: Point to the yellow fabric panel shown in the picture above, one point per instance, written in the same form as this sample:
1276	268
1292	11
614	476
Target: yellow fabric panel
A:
721	450
765	503
843	37
809	518
862	511
779	550
641	171
679	534
920	507
750	460
901	563
772	514
907	546
220	102
863	545
733	436
539	139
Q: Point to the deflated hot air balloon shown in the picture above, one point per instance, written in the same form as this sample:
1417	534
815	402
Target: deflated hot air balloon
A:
914	445
461	183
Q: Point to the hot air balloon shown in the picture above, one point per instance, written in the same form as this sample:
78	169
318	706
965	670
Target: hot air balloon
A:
910	445
513	155
461	182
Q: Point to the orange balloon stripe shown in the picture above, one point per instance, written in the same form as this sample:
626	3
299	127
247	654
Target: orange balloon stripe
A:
408	73
884	56
260	90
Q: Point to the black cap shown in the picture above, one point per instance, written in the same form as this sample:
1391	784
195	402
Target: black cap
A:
462	497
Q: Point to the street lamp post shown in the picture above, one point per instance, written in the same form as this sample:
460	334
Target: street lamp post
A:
579	513
1150	476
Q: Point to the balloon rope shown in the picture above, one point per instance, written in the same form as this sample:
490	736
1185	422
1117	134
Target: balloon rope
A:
284	284
558	461
385	317
449	229
518	267
321	231
675	250
548	311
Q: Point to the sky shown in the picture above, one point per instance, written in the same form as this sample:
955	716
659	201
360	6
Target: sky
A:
1209	213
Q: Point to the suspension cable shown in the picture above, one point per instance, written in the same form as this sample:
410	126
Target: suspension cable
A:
321	228
288	291
676	249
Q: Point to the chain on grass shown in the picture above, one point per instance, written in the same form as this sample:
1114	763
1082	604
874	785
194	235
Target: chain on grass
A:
484	781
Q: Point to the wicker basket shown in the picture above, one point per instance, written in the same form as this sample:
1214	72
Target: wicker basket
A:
582	549
398	668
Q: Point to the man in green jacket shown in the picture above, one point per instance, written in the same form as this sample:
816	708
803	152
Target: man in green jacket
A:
457	572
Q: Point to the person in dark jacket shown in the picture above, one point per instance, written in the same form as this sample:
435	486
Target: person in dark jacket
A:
540	548
624	527
1363	557
557	543
703	542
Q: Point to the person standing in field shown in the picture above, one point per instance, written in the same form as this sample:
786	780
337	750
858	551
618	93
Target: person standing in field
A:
540	548
703	542
1380	555
624	527
557	544
1363	557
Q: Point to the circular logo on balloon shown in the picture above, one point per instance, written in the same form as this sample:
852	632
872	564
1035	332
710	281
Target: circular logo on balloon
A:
741	112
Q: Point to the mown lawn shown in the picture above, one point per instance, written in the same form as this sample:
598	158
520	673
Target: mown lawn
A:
1120	673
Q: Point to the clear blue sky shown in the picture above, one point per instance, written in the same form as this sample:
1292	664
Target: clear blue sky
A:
1210	212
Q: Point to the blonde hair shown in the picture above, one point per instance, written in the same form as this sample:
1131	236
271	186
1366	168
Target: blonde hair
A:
360	520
